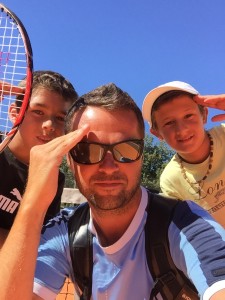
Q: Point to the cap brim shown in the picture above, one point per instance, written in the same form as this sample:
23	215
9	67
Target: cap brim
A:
154	94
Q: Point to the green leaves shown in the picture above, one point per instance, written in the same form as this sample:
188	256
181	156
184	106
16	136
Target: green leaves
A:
69	178
156	156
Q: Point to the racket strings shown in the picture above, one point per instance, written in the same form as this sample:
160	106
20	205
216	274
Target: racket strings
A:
13	67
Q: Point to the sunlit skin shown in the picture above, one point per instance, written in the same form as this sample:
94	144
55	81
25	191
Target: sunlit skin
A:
43	121
181	124
110	187
214	101
8	89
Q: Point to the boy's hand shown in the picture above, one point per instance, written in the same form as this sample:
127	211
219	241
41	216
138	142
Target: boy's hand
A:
214	101
8	89
45	161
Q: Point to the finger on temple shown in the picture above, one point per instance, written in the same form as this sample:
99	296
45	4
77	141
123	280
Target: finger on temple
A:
218	118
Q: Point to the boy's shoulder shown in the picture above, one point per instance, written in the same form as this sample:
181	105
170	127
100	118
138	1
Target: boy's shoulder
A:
172	166
218	135
217	130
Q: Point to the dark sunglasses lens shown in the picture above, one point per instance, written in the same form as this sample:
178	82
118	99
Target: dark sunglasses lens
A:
90	153
127	152
85	153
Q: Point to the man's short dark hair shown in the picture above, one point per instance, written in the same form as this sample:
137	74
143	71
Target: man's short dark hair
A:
111	98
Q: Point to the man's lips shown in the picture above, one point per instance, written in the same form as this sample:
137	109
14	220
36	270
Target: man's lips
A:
108	184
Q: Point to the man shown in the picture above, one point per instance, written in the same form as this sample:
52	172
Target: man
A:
51	97
105	144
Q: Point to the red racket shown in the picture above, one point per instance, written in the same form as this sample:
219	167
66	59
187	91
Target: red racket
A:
16	63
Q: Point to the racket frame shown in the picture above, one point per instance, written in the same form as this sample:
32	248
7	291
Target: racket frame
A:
29	76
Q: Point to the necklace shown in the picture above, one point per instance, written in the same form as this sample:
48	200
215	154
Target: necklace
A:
199	182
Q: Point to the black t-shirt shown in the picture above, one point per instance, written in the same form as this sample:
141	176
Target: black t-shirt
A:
13	178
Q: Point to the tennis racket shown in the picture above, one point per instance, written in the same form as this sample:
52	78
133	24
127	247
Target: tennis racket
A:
16	64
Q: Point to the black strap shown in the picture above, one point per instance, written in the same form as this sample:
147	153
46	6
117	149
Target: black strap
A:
170	282
81	249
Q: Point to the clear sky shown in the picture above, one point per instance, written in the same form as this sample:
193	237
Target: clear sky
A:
137	44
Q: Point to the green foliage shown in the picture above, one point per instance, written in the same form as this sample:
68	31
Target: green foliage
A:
69	180
156	156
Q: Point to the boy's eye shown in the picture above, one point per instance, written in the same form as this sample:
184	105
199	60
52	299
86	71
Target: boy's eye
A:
38	112
61	118
168	123
188	116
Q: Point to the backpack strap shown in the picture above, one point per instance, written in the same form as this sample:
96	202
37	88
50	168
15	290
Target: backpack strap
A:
170	282
80	239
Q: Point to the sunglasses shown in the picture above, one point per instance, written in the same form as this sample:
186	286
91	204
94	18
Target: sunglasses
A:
89	153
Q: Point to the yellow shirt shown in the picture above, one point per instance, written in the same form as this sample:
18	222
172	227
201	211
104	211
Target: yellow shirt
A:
211	194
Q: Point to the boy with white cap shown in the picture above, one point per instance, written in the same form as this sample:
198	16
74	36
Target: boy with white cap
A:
177	114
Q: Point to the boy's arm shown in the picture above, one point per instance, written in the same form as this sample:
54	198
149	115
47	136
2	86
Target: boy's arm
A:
3	236
8	89
214	101
19	252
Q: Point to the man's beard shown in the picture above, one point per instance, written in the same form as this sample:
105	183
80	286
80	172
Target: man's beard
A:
110	202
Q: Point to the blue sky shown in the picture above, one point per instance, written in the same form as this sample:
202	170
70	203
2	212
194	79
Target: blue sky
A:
137	44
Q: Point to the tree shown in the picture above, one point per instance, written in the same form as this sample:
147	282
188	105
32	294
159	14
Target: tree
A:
156	156
69	178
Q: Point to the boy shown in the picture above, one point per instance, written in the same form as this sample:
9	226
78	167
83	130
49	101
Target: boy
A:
51	97
197	170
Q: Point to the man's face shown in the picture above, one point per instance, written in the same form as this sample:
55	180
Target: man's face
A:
43	121
108	185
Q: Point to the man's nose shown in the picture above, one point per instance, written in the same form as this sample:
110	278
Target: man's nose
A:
109	164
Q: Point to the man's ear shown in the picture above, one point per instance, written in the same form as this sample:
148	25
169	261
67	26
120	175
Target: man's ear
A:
205	115
70	162
156	133
13	113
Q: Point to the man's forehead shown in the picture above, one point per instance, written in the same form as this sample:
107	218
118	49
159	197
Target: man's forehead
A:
100	115
90	112
118	123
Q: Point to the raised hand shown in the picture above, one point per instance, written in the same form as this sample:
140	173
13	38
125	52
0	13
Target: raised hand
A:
213	101
45	161
8	89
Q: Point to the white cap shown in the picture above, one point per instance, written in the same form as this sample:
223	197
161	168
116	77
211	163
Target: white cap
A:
161	89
